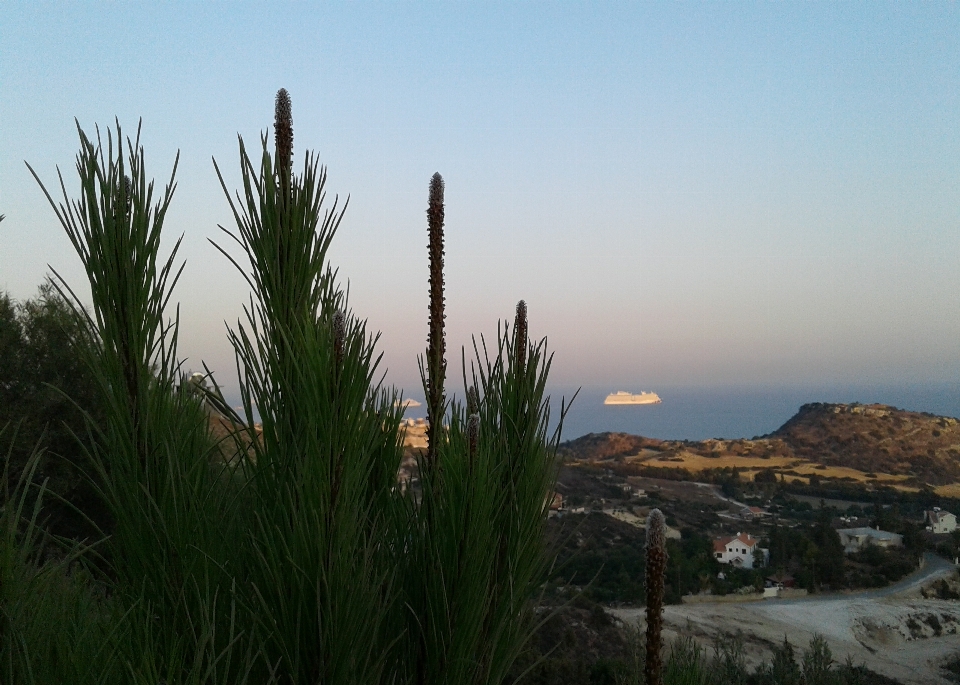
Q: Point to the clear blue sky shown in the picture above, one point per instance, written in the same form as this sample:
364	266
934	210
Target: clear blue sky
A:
685	194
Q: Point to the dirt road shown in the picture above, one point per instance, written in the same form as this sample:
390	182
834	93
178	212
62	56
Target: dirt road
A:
894	631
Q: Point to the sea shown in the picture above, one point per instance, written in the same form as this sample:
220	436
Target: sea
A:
731	412
728	412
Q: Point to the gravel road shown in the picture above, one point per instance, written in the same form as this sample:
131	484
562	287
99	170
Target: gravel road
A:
933	568
894	630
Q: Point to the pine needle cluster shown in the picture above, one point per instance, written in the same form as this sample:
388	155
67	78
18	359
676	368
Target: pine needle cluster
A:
301	558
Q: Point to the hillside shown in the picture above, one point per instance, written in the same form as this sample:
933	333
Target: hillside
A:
872	444
876	438
599	446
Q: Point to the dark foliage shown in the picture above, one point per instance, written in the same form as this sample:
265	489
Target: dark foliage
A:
576	644
600	554
876	567
45	387
951	669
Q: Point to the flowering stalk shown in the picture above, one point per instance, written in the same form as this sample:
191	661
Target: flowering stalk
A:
339	339
283	135
436	344
656	574
473	400
520	325
473	437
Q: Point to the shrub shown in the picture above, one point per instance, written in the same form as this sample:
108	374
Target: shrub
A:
303	560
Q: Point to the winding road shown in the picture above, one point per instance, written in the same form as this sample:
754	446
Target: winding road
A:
934	567
892	630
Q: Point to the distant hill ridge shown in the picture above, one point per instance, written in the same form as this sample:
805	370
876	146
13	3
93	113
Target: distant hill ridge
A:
915	447
878	438
597	446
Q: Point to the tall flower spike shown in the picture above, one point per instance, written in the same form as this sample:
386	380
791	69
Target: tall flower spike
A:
473	400
473	435
520	325
283	130
128	196
124	201
339	338
656	577
436	344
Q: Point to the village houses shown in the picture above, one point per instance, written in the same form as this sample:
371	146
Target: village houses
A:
740	550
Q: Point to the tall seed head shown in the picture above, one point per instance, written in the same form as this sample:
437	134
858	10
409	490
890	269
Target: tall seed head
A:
520	326
283	130
123	202
656	578
473	400
435	228
339	338
436	344
128	196
473	435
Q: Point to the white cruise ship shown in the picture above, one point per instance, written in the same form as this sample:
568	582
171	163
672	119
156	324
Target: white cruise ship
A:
622	397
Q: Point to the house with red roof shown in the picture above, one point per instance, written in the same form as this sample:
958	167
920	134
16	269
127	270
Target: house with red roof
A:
739	550
753	513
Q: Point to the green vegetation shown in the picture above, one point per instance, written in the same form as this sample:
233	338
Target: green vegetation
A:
601	555
301	559
604	558
950	547
43	386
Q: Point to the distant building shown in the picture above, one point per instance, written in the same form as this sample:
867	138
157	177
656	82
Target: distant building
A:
940	521
780	579
753	513
857	539
739	550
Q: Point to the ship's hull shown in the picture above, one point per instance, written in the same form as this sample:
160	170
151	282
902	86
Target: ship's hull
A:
625	398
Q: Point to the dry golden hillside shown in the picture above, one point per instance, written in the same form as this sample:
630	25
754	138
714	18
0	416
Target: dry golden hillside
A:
865	443
876	438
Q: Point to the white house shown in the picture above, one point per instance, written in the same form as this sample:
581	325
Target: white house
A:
632	490
739	550
940	521
856	539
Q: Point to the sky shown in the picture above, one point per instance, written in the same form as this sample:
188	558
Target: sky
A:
685	194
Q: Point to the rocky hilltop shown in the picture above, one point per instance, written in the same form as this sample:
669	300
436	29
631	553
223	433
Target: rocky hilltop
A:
869	443
599	446
876	438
